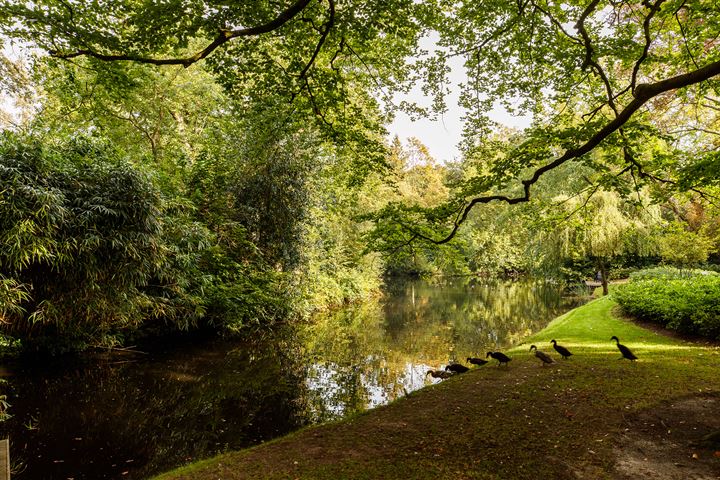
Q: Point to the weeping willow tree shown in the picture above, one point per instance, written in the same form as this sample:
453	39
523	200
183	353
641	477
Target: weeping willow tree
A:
602	227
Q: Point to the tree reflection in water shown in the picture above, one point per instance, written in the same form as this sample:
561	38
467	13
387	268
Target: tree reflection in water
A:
370	354
135	415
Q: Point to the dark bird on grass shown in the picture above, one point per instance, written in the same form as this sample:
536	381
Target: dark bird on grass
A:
456	368
564	352
439	374
626	353
544	357
499	356
477	361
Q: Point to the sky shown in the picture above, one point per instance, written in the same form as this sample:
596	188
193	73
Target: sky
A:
443	135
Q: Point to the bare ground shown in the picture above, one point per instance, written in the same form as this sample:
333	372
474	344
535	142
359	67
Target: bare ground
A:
666	442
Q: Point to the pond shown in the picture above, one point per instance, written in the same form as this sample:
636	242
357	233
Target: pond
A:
130	415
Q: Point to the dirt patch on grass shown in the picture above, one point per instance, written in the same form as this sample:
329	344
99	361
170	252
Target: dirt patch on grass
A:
666	442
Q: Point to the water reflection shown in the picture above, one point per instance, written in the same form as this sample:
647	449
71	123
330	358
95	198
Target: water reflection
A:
372	354
135	415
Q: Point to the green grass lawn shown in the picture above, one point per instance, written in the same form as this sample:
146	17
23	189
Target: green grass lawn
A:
566	420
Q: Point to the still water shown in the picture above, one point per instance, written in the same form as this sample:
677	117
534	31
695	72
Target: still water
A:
130	415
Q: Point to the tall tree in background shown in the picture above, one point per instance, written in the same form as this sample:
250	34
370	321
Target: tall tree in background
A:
602	227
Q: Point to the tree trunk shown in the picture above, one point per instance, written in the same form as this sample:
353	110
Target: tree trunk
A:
603	275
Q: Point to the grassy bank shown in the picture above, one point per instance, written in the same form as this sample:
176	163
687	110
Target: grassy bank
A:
583	417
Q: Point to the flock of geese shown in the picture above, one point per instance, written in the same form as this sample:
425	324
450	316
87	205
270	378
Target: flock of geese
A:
456	368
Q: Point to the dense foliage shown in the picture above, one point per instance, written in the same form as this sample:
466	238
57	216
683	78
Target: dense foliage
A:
686	302
669	273
226	165
94	251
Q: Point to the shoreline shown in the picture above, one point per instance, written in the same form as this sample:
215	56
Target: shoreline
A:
522	421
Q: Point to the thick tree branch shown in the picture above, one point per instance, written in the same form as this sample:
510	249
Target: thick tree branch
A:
654	8
328	26
643	93
580	27
224	37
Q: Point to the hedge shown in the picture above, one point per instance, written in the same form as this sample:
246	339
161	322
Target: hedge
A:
687	305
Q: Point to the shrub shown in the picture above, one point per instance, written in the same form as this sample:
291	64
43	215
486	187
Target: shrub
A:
669	273
689	304
91	251
79	230
622	272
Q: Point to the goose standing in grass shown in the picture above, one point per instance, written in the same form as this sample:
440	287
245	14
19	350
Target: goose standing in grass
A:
499	356
626	353
456	368
544	357
439	374
476	361
564	352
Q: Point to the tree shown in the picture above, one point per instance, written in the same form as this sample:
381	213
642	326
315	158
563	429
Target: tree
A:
603	81
17	98
683	248
601	227
416	181
330	61
158	115
81	236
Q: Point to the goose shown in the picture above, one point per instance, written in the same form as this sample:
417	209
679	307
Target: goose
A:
564	352
499	356
626	353
476	361
456	368
439	374
544	357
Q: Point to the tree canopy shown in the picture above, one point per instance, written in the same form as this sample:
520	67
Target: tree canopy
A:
628	86
306	57
244	124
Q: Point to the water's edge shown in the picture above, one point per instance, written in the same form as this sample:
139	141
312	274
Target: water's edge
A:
134	415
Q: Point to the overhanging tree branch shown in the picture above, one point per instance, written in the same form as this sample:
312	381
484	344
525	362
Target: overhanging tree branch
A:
654	8
224	37
642	94
328	26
